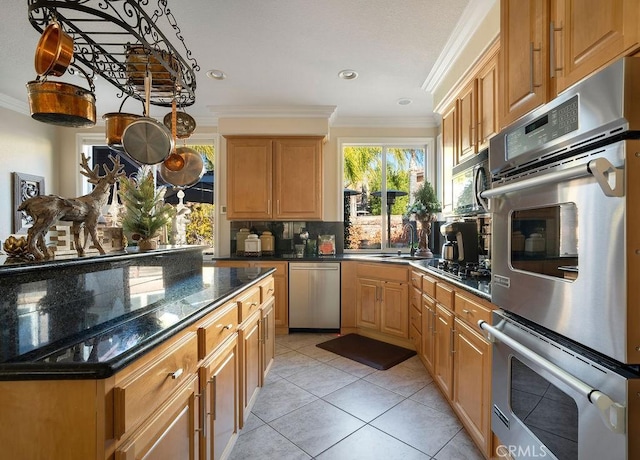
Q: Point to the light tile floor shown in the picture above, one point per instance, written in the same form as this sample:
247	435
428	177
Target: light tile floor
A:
316	404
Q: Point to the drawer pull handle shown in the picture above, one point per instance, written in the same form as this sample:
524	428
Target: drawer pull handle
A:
253	304
228	326
466	312
270	290
175	375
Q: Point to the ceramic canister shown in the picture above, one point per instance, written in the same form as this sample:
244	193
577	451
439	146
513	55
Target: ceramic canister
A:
241	236
267	243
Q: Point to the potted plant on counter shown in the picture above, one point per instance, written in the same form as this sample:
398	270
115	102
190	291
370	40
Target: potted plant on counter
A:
424	207
145	212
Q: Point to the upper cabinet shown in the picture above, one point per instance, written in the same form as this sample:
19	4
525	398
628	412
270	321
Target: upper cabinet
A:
275	178
548	45
524	57
588	34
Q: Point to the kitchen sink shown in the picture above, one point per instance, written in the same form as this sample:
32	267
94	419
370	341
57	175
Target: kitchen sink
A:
394	257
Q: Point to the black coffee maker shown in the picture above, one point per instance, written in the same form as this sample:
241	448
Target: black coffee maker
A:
461	243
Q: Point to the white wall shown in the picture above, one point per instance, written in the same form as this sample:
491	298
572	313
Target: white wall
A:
26	146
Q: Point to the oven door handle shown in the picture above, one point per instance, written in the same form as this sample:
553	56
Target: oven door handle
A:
610	179
613	414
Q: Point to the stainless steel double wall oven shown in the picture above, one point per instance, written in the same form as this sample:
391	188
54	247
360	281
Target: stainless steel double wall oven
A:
566	272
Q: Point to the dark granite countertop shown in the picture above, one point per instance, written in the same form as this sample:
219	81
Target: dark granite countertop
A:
89	318
480	288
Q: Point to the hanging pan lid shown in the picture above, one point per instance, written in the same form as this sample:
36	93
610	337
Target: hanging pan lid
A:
146	140
190	174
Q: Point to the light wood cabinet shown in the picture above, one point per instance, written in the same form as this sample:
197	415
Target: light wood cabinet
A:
524	59
250	371
268	336
382	302
219	389
449	155
472	383
281	288
427	352
170	432
443	354
589	34
487	98
467	122
548	45
274	178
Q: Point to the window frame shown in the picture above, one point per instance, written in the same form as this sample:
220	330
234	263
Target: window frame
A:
430	172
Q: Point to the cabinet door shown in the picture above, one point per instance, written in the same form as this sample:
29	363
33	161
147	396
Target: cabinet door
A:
467	119
298	179
590	33
443	358
394	309
487	84
449	155
367	310
249	179
268	337
169	433
524	61
428	332
472	384
219	381
250	370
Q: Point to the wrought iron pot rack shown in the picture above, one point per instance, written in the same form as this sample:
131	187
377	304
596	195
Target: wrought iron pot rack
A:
104	31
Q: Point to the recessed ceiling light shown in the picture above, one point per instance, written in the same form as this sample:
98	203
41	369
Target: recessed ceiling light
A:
404	101
348	74
215	74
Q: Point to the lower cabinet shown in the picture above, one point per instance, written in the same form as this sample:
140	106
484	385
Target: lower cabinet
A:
443	355
427	350
472	383
170	432
268	336
219	390
249	336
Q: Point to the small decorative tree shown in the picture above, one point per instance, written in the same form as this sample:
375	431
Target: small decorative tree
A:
145	212
424	207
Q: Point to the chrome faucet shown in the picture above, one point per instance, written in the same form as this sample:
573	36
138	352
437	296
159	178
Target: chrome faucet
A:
404	227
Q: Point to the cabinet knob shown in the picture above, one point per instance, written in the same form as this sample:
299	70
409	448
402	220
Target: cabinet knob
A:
175	375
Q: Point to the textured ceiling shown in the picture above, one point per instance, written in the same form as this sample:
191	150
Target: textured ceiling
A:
281	55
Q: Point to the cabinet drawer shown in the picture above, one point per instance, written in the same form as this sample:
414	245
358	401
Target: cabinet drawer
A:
213	331
416	279
248	303
444	295
267	288
415	317
382	271
471	311
146	388
416	338
429	286
416	294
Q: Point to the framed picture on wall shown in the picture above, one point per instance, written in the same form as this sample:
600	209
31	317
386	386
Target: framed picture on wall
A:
25	186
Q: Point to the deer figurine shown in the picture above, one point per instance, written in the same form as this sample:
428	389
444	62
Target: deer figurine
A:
46	210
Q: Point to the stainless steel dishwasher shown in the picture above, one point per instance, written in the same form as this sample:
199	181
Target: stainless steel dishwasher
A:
314	296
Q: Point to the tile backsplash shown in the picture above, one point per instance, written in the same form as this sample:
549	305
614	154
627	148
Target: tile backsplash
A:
287	234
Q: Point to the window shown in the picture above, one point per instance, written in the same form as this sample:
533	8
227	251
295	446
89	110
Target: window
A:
379	180
194	223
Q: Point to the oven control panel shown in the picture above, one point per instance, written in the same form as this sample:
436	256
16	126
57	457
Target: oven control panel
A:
554	124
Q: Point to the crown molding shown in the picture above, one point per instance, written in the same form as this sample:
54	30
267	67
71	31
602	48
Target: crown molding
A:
385	122
274	111
466	27
15	105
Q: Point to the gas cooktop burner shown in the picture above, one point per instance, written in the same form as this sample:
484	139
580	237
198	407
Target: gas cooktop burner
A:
464	270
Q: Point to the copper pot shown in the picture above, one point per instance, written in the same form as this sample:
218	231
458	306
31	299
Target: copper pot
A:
139	59
54	51
61	104
115	124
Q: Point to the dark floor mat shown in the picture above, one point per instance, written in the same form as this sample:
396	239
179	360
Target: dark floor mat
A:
373	353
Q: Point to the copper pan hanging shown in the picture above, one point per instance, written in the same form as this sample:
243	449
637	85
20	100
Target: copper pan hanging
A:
54	51
191	172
